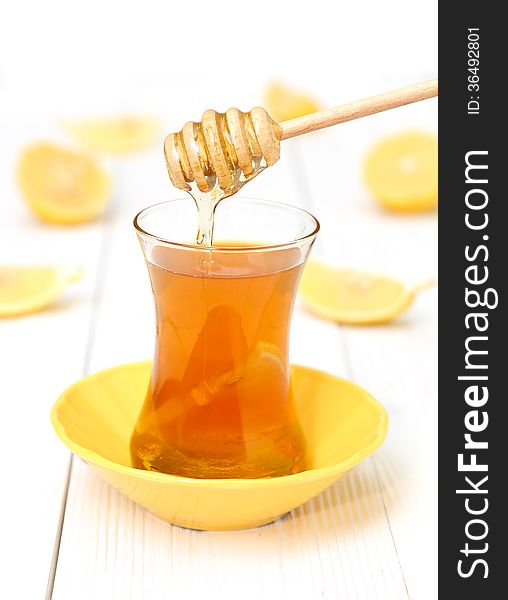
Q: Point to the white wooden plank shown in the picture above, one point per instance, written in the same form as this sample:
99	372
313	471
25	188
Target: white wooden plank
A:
336	546
40	354
396	362
398	365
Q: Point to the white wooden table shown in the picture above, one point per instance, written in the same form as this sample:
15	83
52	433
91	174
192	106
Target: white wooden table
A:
370	536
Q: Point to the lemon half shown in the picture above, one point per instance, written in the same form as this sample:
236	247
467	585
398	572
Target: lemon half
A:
123	134
401	171
284	103
61	185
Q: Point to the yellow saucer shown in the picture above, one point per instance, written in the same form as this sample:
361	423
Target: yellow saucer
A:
342	424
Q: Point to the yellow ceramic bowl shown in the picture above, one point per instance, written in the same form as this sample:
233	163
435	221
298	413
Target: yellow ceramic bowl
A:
342	424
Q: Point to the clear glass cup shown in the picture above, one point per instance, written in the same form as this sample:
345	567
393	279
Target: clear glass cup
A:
219	403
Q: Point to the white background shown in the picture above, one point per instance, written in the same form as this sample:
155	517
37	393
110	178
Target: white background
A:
373	535
67	56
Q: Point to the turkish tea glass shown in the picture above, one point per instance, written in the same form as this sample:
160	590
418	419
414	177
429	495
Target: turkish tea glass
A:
219	403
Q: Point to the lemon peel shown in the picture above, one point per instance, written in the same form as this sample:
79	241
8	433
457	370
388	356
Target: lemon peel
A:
27	289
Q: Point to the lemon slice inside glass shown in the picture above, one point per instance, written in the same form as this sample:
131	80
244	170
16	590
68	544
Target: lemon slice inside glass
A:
354	297
283	103
26	289
401	171
124	134
61	185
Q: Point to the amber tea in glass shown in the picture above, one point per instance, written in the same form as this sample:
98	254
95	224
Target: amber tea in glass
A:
219	403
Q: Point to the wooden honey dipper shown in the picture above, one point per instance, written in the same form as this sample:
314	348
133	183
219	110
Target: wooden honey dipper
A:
225	150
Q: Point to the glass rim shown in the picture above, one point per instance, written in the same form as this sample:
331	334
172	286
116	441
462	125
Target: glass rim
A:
260	247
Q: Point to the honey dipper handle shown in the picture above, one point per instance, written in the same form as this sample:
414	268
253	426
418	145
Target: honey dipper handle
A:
359	108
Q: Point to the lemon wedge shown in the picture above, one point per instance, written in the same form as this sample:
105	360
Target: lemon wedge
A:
28	289
125	134
61	185
284	103
401	171
354	297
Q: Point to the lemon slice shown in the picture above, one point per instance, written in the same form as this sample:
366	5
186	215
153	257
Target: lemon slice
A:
262	362
354	297
284	103
62	186
124	134
28	289
401	171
